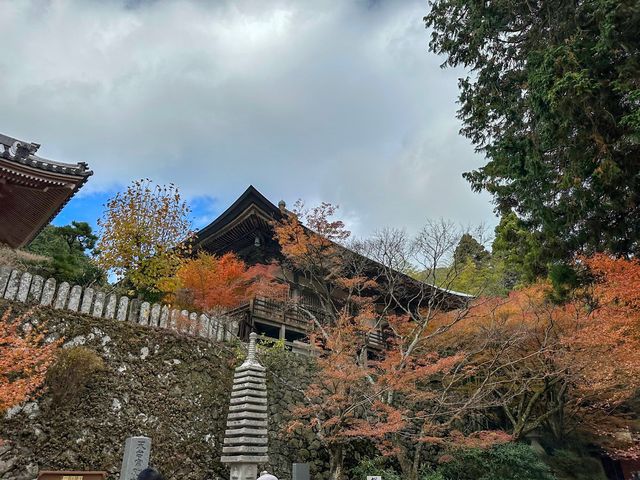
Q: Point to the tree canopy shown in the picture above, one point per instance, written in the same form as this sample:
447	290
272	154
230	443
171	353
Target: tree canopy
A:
144	233
69	247
552	100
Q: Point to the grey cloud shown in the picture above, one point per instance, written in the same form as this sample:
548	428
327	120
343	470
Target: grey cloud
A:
333	100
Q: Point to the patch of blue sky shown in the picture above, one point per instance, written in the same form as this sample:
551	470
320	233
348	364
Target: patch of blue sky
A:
83	208
205	209
90	206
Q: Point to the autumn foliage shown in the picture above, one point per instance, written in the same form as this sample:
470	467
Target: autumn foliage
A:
24	359
458	375
558	367
210	282
144	233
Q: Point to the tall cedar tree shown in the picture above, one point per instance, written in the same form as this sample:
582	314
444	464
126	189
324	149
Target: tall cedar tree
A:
391	401
144	234
553	101
24	359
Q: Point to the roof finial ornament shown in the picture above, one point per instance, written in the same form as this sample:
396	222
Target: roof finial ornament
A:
282	205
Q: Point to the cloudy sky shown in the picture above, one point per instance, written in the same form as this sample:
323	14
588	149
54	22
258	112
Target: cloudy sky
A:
330	100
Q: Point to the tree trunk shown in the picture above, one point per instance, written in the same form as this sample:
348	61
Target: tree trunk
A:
409	465
336	461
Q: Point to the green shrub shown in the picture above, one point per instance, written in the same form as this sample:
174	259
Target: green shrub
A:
68	377
374	466
569	465
511	461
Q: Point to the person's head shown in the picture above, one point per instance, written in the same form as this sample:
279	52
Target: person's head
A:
264	472
150	474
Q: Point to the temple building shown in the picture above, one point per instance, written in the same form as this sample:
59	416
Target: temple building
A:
32	190
245	228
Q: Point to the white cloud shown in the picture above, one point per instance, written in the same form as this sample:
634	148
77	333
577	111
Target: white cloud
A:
331	100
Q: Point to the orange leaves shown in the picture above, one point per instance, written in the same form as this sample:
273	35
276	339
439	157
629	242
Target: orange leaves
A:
313	245
23	360
226	281
618	279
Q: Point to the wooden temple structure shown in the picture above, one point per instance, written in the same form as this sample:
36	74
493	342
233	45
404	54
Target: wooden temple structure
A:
245	228
32	190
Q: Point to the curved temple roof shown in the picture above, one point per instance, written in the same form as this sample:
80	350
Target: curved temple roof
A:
250	217
32	189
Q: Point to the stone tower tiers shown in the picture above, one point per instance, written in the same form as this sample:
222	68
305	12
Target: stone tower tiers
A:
245	439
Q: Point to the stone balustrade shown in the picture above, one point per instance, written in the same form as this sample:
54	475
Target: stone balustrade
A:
35	290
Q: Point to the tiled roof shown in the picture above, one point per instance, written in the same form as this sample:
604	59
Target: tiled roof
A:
24	153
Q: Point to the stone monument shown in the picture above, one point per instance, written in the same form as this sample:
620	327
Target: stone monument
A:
136	457
245	439
300	471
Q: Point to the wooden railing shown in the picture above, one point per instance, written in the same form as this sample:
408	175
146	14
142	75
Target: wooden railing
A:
297	315
292	314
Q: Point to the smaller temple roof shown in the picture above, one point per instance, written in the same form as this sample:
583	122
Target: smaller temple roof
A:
33	189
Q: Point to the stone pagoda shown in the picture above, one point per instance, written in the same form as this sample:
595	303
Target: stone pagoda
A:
245	439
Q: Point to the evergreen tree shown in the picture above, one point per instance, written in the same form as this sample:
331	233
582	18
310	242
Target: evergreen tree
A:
469	248
553	101
68	248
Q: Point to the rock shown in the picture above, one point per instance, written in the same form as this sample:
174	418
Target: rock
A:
7	465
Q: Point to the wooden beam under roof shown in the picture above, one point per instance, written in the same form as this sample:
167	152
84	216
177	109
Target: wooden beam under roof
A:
32	189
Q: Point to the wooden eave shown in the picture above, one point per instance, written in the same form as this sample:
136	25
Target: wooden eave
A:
32	190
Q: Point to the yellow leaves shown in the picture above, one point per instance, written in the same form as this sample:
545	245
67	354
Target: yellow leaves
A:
144	233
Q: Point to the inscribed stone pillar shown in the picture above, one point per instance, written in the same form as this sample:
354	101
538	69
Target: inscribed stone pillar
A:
134	310
145	310
193	323
98	304
123	308
136	457
110	309
221	330
164	316
184	321
245	439
175	315
48	291
87	300
5	273
154	319
13	285
23	290
203	326
74	298
61	298
36	289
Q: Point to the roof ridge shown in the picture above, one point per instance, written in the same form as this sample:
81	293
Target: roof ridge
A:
23	153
